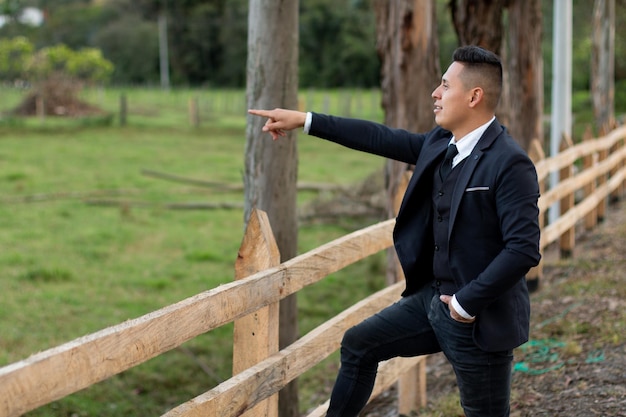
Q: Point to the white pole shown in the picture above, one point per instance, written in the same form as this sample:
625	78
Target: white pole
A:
163	51
561	119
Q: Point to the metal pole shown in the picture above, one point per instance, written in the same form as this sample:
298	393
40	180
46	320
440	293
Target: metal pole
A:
163	51
561	119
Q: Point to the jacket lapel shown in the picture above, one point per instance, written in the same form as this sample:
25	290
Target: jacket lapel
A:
490	135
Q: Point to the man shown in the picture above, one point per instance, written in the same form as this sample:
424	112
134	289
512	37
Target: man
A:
466	234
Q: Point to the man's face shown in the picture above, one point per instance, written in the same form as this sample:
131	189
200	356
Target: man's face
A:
451	100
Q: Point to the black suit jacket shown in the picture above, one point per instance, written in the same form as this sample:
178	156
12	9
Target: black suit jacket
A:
494	232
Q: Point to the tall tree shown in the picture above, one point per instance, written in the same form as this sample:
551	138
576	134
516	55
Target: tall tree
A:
408	47
525	72
271	167
603	64
409	51
480	22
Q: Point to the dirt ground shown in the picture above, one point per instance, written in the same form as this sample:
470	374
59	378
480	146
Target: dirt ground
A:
575	363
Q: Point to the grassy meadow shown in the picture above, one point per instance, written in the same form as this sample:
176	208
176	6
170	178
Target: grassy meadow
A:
71	265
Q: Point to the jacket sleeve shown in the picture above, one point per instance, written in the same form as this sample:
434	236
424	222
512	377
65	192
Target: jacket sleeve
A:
370	137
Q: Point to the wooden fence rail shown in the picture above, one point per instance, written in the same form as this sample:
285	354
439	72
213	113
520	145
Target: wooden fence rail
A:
251	302
602	174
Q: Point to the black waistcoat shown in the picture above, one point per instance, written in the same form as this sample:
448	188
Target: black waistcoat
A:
442	198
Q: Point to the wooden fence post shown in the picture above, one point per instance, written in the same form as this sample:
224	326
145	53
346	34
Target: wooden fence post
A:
603	179
622	188
617	193
194	112
536	154
412	383
123	109
40	108
412	389
255	336
567	239
591	219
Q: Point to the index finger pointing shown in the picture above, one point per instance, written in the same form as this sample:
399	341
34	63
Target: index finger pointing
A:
262	113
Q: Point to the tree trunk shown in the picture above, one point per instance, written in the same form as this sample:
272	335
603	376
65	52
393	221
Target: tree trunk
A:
408	47
271	166
525	72
603	64
478	22
409	51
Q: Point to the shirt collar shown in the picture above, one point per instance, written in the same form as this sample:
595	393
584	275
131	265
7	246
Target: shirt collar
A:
466	144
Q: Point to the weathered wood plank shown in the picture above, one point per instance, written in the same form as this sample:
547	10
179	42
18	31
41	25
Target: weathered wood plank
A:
591	219
568	238
243	391
412	387
255	336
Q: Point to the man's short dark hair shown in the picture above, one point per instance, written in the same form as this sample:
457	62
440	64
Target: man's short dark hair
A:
485	71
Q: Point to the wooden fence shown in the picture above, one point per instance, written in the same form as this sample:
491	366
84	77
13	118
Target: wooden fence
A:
591	173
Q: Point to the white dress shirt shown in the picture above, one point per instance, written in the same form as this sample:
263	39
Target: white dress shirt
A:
465	146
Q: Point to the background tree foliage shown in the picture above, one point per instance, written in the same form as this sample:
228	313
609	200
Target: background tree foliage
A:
207	39
14	54
20	61
338	44
57	74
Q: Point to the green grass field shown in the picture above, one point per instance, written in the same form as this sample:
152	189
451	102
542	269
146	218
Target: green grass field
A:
69	268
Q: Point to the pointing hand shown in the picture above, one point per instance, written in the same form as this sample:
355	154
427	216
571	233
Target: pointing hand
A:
280	120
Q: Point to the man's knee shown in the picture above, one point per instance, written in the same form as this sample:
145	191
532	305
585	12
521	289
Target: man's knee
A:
352	339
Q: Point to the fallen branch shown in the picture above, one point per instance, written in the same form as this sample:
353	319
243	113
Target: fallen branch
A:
170	206
302	186
317	186
191	181
204	206
36	198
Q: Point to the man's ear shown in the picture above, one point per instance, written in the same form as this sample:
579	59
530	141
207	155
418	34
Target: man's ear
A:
476	97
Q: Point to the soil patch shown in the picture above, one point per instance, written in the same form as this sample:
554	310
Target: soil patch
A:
56	106
56	96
